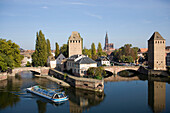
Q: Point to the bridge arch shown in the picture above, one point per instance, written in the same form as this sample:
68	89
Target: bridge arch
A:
116	69
36	70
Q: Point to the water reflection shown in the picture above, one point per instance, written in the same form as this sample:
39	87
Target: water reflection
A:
41	106
6	97
157	96
119	97
81	100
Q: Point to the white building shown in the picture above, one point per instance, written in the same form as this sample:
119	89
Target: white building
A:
59	60
79	64
27	58
103	61
51	62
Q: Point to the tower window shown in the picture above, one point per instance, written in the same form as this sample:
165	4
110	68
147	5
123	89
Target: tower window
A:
160	41
73	41
155	41
76	41
79	41
70	41
163	41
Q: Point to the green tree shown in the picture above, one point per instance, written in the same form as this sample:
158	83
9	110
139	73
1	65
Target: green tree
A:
9	55
125	53
93	51
96	72
48	48
87	52
39	57
28	64
64	50
57	51
99	49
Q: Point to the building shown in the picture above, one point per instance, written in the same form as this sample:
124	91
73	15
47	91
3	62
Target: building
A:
27	58
156	52
141	51
51	62
108	46
74	44
168	59
167	49
157	96
79	64
59	60
103	61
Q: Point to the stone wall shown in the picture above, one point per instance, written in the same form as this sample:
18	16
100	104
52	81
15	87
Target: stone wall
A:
79	82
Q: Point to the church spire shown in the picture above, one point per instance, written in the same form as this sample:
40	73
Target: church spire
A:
106	42
106	35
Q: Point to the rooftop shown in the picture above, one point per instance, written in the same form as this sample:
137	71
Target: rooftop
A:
156	36
85	60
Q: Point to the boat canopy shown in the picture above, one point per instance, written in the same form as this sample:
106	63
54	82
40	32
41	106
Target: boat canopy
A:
48	92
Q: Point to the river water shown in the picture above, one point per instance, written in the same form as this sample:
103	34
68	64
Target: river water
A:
139	96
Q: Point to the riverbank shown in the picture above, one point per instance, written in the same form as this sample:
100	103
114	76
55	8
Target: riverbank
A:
3	76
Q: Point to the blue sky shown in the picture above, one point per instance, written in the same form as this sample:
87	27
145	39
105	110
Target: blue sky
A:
126	21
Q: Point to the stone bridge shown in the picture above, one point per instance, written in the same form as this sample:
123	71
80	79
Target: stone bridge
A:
40	70
116	69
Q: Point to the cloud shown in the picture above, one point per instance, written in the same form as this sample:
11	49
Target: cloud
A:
94	15
78	3
44	7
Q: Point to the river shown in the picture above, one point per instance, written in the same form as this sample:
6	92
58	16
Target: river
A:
138	96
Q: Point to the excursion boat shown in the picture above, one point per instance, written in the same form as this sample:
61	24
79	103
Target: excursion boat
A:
57	97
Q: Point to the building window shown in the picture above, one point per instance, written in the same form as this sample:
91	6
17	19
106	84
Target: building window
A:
73	41
82	72
155	41
76	41
163	41
160	41
79	41
70	41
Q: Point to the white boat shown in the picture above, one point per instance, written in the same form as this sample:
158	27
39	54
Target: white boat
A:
56	97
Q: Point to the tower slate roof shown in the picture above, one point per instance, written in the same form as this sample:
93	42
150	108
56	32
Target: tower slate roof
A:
156	36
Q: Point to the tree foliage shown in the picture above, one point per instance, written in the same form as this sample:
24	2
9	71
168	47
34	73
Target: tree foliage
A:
9	55
96	72
93	51
39	57
125	54
57	50
48	48
87	52
64	50
100	51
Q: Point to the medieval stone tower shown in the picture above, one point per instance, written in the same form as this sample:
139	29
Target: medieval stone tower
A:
74	44
156	52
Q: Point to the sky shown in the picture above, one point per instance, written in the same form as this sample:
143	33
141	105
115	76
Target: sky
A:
125	21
